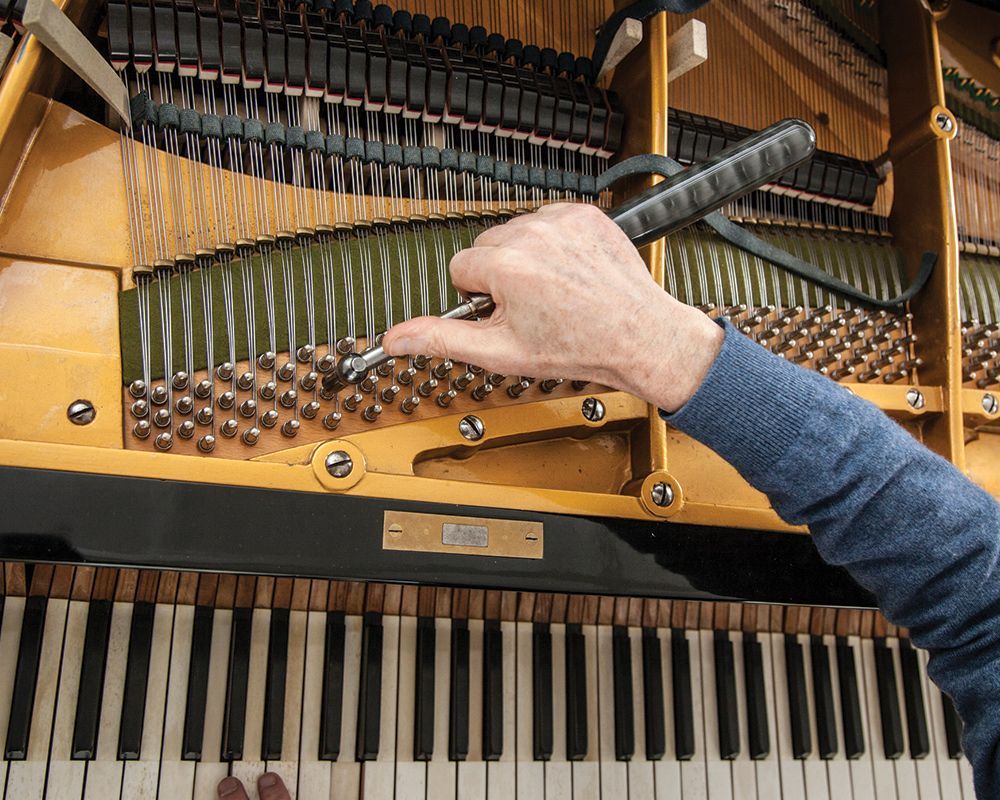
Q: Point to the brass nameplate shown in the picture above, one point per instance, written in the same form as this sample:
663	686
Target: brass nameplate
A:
470	536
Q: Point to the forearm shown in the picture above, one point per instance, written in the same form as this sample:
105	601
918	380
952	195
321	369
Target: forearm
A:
906	524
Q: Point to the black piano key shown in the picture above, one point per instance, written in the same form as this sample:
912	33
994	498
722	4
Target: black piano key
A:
458	702
234	725
541	685
913	698
725	696
952	727
423	717
621	653
850	700
758	732
370	688
197	688
22	700
652	695
888	700
88	700
680	665
798	701
140	642
492	690
576	693
826	723
331	712
274	686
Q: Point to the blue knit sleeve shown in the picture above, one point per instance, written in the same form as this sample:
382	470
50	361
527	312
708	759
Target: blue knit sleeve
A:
907	525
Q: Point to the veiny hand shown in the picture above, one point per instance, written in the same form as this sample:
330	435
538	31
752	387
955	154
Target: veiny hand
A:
573	300
269	787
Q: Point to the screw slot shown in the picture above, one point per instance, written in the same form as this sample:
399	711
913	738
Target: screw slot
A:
662	494
472	428
944	122
990	403
339	464
915	399
592	409
81	412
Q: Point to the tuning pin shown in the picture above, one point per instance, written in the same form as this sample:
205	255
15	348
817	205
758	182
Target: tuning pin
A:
326	363
351	403
251	435
495	378
141	429
482	391
245	381
248	407
474	369
310	409
206	443
203	389
461	383
579	386
266	360
163	441
895	375
140	408
405	377
515	390
286	371
549	384
305	353
368	385
868	375
444	399
332	420
385	370
427	387
205	415
184	405
180	380
346	345
161	418
288	398
388	394
269	418
308	381
290	428
268	390
225	371
409	405
843	372
421	362
229	428
137	388
441	370
226	400
186	429
159	395
371	413
326	394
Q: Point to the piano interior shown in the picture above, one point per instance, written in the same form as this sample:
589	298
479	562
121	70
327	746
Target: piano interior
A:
442	581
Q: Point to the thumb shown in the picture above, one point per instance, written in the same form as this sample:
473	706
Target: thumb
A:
456	339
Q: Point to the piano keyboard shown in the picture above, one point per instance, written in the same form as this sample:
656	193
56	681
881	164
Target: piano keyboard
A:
131	684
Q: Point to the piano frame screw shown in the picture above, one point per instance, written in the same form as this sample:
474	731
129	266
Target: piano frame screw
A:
81	412
592	409
339	464
915	399
990	403
944	122
472	428
662	494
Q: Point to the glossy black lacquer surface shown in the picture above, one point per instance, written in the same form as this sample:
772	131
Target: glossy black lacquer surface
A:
122	521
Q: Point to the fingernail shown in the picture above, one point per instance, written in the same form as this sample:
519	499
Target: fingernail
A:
267	780
228	786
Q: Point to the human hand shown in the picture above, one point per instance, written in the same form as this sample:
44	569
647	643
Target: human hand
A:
269	787
573	300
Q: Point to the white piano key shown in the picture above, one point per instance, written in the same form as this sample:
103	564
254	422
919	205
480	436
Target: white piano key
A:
927	767
141	777
26	779
768	770
252	765
501	775
694	774
792	778
558	773
441	773
718	772
862	775
411	775
640	769
587	773
10	637
949	779
667	771
472	771
177	775
838	768
614	773
345	773
65	780
530	773
288	766
906	771
965	773
744	771
212	769
378	777
883	770
813	767
104	773
314	775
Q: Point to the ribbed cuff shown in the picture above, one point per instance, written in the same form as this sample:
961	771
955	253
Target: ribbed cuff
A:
750	407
